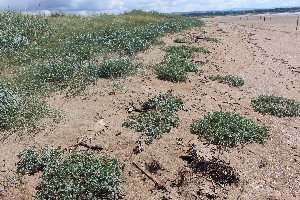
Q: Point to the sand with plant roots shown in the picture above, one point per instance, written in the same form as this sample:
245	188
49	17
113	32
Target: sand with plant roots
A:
261	49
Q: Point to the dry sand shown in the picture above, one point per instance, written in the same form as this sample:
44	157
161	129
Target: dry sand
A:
264	50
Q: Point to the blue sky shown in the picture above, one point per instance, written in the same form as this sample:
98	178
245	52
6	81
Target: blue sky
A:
119	6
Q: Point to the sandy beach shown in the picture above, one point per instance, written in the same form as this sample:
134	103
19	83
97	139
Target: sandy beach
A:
263	50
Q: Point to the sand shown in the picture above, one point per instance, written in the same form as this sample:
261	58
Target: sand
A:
264	50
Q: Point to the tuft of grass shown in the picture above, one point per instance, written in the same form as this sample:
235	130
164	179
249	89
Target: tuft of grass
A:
229	79
159	119
79	175
274	105
228	129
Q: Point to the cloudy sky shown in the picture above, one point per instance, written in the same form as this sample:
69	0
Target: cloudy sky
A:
118	6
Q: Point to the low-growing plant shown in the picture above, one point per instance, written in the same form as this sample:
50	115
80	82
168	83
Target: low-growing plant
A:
274	105
184	51
180	62
228	79
153	124
80	175
180	40
33	160
174	67
171	73
115	68
228	129
159	119
207	38
9	106
210	39
164	103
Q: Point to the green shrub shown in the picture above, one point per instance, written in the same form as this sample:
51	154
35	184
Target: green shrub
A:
164	103
9	106
171	73
179	62
229	79
274	105
228	129
115	68
210	39
184	51
180	40
159	121
80	175
33	160
154	124
207	38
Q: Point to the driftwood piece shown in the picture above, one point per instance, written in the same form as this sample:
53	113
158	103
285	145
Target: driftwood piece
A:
157	184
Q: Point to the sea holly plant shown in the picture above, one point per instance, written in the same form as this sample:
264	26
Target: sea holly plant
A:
228	129
158	117
274	105
175	65
79	175
228	79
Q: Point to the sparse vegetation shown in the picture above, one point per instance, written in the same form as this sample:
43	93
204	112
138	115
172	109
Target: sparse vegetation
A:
228	79
274	105
228	129
159	120
78	175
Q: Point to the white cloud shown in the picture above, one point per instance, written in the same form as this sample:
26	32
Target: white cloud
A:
127	5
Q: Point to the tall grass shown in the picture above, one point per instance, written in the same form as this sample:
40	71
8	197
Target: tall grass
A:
44	54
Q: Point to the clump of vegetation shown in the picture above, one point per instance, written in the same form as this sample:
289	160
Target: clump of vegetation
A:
228	129
175	66
274	105
33	160
158	119
164	103
180	40
171	73
184	51
78	175
21	114
207	38
229	79
115	68
154	124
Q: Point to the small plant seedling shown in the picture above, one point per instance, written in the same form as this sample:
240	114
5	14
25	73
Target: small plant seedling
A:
229	79
274	105
180	40
207	38
228	129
